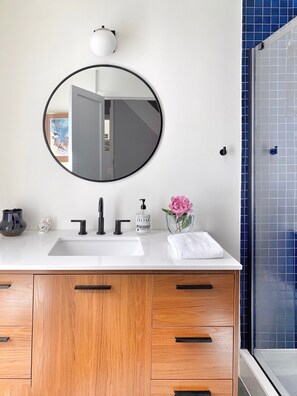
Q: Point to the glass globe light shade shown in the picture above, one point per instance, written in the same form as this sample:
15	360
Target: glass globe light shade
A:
103	42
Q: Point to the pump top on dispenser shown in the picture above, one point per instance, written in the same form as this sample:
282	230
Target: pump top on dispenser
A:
143	219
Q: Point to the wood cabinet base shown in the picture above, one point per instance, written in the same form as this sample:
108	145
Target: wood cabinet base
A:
119	333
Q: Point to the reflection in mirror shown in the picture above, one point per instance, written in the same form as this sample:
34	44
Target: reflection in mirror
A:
102	123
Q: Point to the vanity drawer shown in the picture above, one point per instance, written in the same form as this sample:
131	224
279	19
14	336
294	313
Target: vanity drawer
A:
191	353
171	388
15	352
193	300
16	295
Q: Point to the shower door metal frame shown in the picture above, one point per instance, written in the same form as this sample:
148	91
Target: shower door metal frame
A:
251	206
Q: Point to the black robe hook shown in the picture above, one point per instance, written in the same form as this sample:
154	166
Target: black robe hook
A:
223	151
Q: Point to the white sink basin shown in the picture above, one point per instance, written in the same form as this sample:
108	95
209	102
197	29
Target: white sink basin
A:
101	246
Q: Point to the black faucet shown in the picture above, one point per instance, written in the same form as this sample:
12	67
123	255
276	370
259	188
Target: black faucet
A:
100	218
117	230
82	227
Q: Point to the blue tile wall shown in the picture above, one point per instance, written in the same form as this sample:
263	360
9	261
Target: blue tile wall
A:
260	18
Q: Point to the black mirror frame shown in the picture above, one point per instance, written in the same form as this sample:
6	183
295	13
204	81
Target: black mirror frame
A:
92	67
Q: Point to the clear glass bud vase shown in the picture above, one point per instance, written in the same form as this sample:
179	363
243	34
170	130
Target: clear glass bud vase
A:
176	225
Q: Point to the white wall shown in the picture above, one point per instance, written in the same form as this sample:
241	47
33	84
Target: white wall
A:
188	51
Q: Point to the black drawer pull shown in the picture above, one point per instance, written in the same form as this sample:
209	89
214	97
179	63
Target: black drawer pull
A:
192	393
92	287
194	287
193	339
4	339
5	286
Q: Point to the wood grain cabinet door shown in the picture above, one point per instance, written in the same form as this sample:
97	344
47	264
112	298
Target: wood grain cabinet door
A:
193	300
91	335
16	295
188	353
15	352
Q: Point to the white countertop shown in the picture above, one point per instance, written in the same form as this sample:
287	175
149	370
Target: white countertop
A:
29	251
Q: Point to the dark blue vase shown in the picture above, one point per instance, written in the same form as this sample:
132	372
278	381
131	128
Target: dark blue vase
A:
12	223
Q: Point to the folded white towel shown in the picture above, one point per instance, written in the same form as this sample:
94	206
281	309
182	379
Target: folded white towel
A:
195	245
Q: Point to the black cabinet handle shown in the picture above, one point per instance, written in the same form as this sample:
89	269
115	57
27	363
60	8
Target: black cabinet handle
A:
4	339
92	287
5	286
192	393
193	339
194	287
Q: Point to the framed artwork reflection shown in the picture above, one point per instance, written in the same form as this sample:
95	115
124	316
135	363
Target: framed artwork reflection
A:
57	134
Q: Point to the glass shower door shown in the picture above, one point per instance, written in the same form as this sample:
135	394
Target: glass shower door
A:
274	208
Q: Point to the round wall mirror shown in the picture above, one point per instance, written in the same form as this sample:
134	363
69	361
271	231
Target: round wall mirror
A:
102	123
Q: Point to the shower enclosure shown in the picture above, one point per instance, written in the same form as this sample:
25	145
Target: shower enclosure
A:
273	215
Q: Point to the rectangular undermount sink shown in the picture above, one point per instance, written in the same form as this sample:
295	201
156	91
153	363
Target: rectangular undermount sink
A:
105	246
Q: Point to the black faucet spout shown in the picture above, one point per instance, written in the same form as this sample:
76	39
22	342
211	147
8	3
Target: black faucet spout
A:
100	217
100	206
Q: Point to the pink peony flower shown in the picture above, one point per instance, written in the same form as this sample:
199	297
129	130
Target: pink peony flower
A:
180	205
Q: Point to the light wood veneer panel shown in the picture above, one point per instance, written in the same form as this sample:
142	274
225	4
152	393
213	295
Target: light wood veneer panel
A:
15	387
92	342
16	301
208	307
15	354
174	360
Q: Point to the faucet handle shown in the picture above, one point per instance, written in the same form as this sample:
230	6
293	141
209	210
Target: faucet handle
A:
118	230
83	226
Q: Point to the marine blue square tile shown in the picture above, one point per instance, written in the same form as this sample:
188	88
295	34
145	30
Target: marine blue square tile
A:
274	11
258	38
275	19
250	11
283	11
251	19
258	11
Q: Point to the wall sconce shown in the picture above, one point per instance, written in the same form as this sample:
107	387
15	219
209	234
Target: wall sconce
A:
103	41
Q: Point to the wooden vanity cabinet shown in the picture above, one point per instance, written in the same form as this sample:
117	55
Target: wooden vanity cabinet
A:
124	333
92	335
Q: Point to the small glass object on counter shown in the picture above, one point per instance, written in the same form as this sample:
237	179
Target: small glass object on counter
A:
44	225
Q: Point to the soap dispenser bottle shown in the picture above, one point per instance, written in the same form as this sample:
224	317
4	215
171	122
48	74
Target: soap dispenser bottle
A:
143	220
